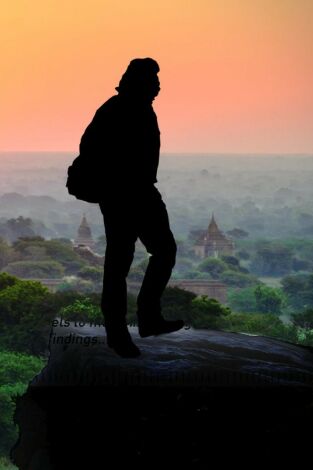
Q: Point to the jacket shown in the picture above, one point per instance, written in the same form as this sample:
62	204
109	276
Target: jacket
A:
122	142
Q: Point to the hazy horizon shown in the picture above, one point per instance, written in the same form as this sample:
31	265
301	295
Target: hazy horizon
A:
267	195
235	76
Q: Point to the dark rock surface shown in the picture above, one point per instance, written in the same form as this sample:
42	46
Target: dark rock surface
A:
193	357
192	397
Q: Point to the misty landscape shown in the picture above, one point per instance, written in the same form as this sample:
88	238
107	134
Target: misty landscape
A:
268	196
262	203
258	281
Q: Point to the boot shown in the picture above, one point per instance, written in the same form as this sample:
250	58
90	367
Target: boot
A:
121	342
158	326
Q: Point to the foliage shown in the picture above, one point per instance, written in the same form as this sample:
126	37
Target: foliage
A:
18	367
268	325
237	279
36	269
194	275
299	290
7	280
204	305
20	300
83	309
303	319
202	312
272	259
232	261
7	254
6	464
183	265
269	299
88	309
71	283
214	266
20	227
243	254
8	431
56	250
176	303
305	336
242	300
301	265
16	370
208	313
91	273
26	311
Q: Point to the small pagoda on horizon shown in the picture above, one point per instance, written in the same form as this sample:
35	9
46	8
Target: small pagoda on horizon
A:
84	236
213	242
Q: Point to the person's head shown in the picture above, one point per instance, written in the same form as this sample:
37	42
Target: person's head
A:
140	79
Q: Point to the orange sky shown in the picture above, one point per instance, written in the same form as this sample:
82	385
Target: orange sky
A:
236	75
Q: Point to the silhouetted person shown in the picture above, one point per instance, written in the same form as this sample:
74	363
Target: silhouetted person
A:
125	136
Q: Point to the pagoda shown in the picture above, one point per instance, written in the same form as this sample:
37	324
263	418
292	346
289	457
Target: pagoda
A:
213	242
84	237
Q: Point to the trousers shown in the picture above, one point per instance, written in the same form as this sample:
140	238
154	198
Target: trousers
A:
128	216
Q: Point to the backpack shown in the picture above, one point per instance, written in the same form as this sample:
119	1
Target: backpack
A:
82	180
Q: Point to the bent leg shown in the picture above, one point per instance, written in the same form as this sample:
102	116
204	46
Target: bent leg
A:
156	235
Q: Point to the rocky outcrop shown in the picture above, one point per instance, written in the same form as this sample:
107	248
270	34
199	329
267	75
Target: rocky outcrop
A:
192	397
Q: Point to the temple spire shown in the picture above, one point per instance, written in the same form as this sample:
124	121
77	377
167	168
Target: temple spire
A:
213	242
84	236
213	228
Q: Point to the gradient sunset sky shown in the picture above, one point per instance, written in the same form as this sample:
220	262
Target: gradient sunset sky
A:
236	75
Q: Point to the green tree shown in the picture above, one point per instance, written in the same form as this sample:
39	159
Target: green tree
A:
269	299
36	269
36	253
260	324
7	280
82	309
18	367
303	319
208	306
7	254
272	260
237	279
301	264
208	312
176	303
26	311
16	370
232	261
20	227
194	274
214	266
242	300
55	250
183	265
243	254
298	290
92	273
